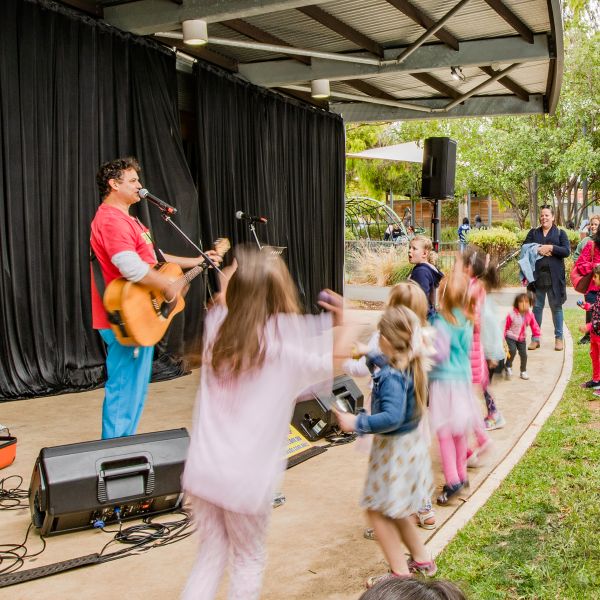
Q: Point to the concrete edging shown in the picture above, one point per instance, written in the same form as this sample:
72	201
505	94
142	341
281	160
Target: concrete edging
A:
465	512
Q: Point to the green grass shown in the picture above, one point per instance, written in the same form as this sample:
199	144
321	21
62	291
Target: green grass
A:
538	536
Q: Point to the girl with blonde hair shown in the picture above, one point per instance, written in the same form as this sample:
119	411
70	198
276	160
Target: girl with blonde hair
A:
399	474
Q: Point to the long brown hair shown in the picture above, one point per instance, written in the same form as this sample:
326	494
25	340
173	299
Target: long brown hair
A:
260	288
397	325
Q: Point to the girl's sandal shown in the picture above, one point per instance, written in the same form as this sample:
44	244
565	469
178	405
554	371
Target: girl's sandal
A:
369	534
426	520
375	579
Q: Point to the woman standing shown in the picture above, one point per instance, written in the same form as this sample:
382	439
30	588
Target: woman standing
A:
549	273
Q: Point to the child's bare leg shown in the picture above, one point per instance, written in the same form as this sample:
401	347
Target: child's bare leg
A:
388	537
412	540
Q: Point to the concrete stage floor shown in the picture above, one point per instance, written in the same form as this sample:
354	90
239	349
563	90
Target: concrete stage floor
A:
316	547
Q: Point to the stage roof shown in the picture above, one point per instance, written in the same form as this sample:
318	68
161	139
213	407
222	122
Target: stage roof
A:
384	59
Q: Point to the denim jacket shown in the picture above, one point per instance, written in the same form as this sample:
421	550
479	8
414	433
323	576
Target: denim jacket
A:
393	404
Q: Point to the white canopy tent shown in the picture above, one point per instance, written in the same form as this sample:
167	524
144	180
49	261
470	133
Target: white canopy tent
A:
407	152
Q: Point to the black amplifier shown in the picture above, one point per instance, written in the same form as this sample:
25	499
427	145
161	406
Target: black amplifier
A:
83	485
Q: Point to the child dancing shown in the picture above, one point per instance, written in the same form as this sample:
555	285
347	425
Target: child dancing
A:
515	333
259	355
409	294
452	407
399	474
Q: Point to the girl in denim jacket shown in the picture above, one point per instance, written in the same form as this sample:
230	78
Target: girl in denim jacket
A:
399	474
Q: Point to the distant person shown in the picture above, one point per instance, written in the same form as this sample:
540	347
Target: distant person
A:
478	222
424	273
463	231
410	232
549	280
570	225
401	588
515	331
407	220
593	328
392	233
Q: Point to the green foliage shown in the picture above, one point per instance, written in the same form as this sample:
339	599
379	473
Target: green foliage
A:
537	536
574	237
510	225
349	234
497	241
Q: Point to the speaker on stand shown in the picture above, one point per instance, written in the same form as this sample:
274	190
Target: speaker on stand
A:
438	174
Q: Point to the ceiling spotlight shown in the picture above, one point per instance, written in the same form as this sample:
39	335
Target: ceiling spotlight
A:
195	32
457	74
319	89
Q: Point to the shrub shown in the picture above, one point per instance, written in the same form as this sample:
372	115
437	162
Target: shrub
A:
349	234
497	241
510	225
374	264
574	237
401	273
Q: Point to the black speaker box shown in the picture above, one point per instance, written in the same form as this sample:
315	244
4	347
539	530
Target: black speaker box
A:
313	417
439	168
77	486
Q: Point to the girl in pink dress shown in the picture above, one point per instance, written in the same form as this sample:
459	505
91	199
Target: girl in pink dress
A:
259	355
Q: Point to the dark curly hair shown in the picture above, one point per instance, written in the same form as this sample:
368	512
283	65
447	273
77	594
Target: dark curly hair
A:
113	169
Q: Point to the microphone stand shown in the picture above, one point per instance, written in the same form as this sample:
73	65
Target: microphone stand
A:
167	217
253	230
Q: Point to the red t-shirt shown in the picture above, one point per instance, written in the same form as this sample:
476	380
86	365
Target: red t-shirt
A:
112	232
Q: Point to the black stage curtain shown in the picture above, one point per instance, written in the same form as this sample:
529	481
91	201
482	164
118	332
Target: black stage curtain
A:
73	94
268	155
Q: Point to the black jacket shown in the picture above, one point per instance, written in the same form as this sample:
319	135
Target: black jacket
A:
428	277
561	249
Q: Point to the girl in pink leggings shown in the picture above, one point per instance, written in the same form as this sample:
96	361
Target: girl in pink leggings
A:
452	413
259	355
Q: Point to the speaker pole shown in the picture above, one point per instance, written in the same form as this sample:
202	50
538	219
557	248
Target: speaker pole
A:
436	214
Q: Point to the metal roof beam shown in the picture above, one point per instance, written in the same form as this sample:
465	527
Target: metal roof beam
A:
149	16
339	27
428	58
477	106
511	19
368	88
419	17
509	84
436	84
203	53
260	35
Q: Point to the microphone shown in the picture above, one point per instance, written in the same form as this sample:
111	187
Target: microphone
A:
144	194
242	216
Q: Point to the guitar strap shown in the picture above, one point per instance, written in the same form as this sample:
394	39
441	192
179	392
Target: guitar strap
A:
98	279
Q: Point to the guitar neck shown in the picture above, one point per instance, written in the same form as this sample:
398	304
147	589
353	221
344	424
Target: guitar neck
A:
188	276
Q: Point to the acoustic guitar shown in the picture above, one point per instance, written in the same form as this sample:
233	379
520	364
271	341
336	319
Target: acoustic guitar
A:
138	314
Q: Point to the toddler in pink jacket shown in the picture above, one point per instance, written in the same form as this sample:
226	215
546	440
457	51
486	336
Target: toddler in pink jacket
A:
515	333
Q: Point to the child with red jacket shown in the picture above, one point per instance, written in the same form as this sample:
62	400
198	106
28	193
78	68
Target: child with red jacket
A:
515	332
593	328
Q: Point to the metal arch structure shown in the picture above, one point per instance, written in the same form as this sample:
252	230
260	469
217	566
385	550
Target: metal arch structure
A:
364	214
385	59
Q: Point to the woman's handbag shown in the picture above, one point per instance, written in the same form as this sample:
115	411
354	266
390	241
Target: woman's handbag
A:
580	282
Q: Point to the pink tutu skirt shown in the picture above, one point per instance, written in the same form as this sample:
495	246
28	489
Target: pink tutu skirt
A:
453	407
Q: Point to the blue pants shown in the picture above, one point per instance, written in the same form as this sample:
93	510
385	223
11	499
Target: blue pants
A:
129	369
555	307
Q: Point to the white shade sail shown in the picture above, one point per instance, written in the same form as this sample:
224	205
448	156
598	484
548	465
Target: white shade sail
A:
407	152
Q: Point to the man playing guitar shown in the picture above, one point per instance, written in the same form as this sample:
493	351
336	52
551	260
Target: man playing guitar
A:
123	248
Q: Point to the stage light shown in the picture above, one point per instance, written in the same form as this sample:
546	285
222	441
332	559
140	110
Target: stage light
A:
457	74
319	89
195	32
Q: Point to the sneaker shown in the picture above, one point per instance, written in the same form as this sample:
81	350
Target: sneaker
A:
591	384
558	344
473	461
524	375
597	393
447	492
428	569
534	345
585	339
495	422
507	373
